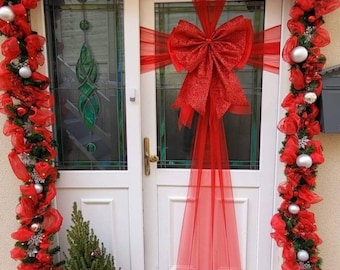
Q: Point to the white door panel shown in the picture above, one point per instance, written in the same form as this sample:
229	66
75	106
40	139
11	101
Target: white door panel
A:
102	206
112	199
171	204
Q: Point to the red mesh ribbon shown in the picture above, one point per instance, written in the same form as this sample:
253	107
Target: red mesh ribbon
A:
209	239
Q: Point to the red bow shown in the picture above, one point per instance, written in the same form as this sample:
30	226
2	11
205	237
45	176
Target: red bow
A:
210	60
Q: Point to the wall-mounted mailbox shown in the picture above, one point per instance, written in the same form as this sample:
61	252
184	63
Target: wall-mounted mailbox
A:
330	100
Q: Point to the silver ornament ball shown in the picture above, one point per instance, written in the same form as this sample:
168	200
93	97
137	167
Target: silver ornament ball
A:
304	160
35	227
293	209
6	14
38	188
302	255
299	54
25	72
310	97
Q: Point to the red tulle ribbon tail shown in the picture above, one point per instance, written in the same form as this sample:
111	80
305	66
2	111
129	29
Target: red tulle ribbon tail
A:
209	238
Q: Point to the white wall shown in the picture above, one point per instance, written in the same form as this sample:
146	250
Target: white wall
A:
328	181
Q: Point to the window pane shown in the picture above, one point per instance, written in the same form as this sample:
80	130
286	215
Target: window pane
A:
242	131
86	61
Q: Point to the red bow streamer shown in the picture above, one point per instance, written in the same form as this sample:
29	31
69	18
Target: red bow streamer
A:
209	237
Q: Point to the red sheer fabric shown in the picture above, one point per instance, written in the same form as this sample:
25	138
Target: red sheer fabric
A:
209	239
265	52
154	49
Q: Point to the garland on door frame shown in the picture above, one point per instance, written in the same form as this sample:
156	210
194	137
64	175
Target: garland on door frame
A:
294	224
27	103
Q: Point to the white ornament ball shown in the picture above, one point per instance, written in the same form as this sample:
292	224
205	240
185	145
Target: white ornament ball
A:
6	14
302	255
38	188
25	72
293	209
35	227
310	97
299	54
304	160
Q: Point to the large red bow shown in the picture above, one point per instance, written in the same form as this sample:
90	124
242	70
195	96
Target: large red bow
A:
210	60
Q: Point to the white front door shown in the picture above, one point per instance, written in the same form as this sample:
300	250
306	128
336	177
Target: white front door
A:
139	217
100	165
165	189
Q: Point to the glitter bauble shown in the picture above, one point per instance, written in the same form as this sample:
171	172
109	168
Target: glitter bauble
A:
304	160
6	14
25	72
302	255
38	188
299	54
293	209
310	97
36	227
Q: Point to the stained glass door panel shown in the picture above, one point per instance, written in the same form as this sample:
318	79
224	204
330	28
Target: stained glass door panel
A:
91	63
87	72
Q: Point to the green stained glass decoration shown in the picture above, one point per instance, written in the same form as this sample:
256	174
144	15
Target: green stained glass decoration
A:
84	25
88	103
91	147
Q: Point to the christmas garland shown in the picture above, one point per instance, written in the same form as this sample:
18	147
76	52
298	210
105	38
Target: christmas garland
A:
294	225
27	103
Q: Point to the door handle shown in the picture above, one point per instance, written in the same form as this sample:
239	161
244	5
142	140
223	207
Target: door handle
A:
147	157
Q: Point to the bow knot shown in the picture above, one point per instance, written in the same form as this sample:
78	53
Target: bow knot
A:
210	60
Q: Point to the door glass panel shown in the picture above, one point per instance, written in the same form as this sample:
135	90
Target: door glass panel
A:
86	65
242	131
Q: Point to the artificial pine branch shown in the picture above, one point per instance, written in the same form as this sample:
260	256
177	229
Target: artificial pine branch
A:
85	253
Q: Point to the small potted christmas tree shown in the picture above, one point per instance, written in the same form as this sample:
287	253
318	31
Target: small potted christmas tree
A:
85	252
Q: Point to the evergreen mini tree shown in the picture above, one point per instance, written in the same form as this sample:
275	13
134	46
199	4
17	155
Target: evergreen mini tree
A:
84	251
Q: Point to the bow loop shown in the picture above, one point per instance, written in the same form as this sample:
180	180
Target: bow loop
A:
187	46
233	42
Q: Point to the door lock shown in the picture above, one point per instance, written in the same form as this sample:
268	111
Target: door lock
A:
147	157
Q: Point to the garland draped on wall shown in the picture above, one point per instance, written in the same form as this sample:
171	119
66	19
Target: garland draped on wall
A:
27	103
294	224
